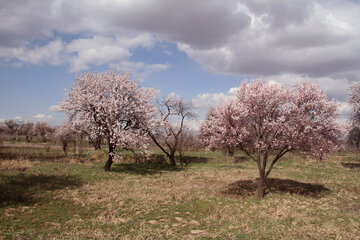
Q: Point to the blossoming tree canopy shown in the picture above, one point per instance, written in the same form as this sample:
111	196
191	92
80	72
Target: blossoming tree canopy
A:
266	121
113	107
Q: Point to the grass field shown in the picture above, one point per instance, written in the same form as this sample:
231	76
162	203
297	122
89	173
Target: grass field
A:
45	195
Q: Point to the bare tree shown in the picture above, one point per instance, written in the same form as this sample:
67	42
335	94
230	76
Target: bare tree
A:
66	134
79	138
167	135
3	132
189	141
96	142
353	138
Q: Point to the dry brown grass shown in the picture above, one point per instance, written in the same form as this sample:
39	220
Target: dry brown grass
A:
148	192
305	200
298	215
17	165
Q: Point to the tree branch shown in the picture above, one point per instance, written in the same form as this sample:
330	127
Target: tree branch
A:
278	156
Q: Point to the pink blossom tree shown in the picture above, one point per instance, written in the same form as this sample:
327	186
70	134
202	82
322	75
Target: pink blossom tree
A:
212	125
113	107
267	121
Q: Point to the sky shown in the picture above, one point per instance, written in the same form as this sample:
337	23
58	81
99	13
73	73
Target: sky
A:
201	50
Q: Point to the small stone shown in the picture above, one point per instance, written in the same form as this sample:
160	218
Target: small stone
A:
193	222
197	232
179	219
152	222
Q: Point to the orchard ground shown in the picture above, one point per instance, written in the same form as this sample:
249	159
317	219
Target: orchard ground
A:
45	195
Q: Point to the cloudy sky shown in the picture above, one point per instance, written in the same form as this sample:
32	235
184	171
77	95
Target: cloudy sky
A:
199	49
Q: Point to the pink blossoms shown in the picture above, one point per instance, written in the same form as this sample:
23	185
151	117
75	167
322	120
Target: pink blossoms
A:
113	107
266	121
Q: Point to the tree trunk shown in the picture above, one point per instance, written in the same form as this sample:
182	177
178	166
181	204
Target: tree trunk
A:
97	144
74	148
172	159
231	152
110	158
260	191
81	144
182	162
64	147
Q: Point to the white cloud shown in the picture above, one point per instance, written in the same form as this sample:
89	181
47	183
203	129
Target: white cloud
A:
300	37
80	53
205	101
315	39
334	87
344	109
54	108
194	124
112	33
100	50
42	116
50	53
208	100
17	118
139	70
319	39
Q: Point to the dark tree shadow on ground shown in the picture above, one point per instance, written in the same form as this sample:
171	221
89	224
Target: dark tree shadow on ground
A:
147	168
247	188
350	165
192	159
160	158
158	163
25	189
